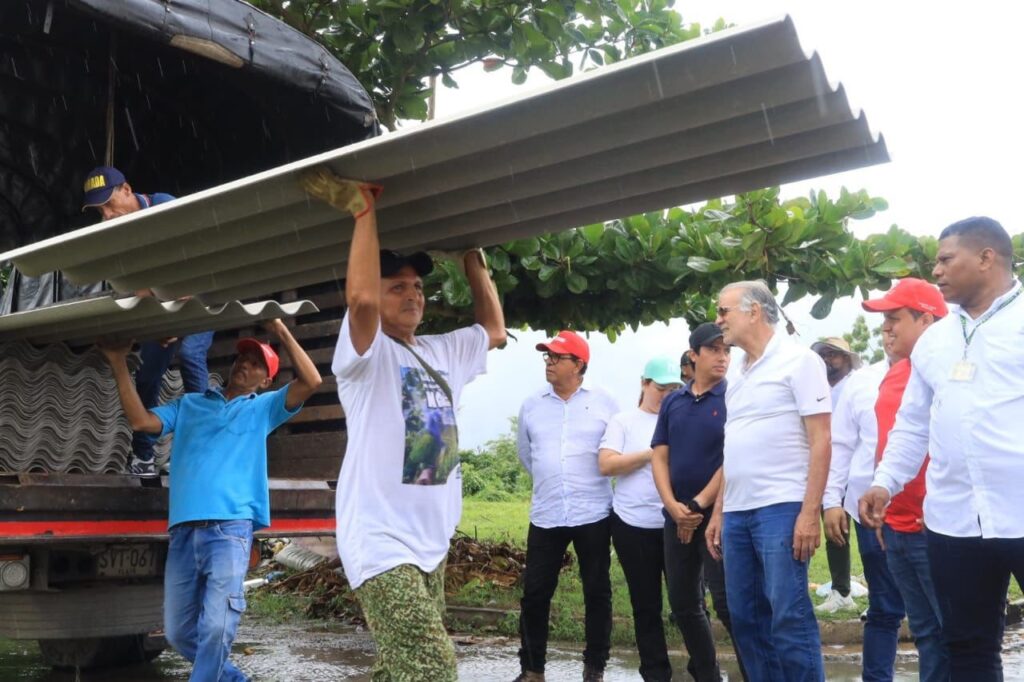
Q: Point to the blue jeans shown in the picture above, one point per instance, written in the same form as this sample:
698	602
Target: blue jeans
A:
971	578
191	351
885	609
203	598
773	623
907	556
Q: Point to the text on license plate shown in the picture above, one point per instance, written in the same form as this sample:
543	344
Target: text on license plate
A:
122	561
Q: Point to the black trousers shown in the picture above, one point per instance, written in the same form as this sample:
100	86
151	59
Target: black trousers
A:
684	565
544	550
971	576
838	562
642	555
689	568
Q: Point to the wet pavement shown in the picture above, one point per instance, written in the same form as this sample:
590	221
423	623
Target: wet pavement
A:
315	652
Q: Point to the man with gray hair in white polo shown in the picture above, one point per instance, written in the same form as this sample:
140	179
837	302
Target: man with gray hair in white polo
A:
776	460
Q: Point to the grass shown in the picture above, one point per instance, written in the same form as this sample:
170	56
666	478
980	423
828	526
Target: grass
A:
276	608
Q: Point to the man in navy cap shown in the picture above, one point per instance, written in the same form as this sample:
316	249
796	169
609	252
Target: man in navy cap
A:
107	191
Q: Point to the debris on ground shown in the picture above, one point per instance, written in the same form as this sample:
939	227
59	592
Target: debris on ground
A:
494	563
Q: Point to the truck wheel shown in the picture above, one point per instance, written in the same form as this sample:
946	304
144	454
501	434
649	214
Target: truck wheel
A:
97	652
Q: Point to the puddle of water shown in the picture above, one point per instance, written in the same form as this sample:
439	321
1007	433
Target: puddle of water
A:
316	652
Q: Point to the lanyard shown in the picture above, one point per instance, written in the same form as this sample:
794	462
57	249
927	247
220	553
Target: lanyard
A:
985	318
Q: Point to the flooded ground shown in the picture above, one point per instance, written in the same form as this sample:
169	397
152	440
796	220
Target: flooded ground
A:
315	652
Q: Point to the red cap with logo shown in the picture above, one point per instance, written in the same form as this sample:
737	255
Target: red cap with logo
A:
912	293
264	350
567	343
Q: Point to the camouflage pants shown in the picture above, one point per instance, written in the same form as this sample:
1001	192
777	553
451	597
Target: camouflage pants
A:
404	608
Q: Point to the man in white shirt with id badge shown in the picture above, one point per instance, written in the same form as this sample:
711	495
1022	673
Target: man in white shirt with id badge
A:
963	405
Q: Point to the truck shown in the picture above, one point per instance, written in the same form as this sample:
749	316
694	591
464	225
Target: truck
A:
181	96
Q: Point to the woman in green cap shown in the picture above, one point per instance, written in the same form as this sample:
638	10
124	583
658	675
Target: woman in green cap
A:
636	521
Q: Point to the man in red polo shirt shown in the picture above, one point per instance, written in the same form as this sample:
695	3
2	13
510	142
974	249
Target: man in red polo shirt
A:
910	307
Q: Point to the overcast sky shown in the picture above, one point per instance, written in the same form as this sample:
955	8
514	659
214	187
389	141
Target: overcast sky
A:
939	80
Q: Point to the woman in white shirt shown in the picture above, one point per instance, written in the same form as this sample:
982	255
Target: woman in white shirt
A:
636	521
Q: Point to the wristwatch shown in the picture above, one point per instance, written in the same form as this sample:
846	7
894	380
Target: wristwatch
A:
694	507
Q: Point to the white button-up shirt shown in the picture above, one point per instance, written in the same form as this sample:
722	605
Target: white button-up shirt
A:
558	442
854	439
974	430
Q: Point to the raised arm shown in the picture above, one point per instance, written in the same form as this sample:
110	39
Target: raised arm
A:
307	378
486	306
362	278
139	417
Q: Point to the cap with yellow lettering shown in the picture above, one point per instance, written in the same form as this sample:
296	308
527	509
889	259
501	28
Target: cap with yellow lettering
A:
100	184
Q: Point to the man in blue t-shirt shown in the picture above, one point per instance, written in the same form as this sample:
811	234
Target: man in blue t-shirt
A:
107	191
687	467
218	489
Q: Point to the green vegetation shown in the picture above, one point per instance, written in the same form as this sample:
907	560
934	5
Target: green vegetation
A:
399	49
494	473
276	608
865	341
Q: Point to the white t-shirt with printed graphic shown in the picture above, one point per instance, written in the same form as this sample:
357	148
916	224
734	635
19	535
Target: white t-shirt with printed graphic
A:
399	495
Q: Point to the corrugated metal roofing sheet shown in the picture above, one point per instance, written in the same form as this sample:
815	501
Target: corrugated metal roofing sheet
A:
138	318
731	112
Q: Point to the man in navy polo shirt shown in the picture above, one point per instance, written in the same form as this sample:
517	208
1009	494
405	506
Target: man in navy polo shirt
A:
687	466
218	490
107	191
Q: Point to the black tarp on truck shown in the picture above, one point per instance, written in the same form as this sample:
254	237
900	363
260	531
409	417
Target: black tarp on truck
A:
181	95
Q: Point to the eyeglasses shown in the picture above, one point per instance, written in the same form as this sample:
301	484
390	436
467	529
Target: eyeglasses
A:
554	358
723	310
665	387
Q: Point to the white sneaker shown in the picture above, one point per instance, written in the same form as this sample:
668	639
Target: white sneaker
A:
836	602
142	468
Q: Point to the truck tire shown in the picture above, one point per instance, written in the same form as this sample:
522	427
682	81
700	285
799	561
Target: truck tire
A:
98	652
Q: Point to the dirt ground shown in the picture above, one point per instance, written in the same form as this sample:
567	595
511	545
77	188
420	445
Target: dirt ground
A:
319	651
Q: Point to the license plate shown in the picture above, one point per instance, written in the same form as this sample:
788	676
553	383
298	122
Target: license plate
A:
128	561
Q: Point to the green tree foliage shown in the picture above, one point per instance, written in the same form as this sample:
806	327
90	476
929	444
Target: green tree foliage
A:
667	264
493	473
395	47
865	341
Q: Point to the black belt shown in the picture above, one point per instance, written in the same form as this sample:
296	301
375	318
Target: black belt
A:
199	524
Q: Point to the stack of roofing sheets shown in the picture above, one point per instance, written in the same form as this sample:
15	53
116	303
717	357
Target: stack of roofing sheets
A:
731	112
59	412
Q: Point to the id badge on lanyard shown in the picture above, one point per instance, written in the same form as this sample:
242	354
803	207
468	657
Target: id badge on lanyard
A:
965	370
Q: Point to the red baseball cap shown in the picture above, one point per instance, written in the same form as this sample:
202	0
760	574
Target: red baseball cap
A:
910	292
567	342
264	350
